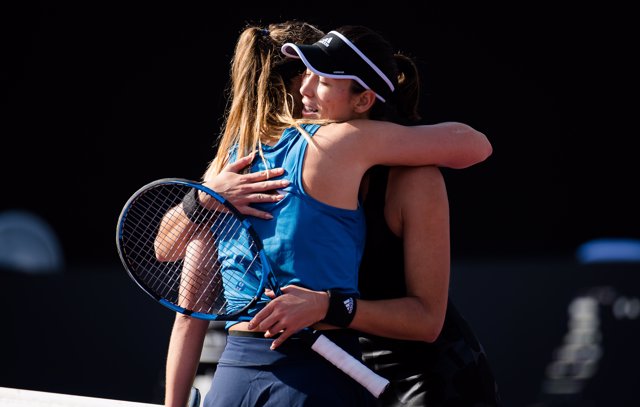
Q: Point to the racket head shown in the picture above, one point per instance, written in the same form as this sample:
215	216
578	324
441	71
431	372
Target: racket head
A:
215	270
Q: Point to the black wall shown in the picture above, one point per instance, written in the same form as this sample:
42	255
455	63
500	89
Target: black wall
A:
94	333
83	332
526	312
100	98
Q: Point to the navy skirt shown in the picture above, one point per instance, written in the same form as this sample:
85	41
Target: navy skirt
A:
250	374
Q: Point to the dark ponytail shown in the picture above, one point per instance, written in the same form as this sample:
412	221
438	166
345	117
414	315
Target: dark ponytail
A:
402	105
407	94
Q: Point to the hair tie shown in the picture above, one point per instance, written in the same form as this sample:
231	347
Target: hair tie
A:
265	32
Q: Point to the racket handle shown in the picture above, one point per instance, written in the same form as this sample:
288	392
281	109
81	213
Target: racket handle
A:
375	383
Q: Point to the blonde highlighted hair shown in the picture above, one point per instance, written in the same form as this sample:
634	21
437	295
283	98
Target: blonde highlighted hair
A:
259	107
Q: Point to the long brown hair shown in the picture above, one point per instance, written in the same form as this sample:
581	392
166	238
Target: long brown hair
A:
259	106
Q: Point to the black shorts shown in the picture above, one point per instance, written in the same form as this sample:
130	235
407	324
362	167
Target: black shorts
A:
452	371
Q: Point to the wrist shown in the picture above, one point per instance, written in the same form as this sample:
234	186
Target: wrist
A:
325	297
341	310
193	209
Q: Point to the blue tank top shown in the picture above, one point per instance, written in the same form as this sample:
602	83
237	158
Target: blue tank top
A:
309	243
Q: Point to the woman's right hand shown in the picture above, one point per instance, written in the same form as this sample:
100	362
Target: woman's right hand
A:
296	308
241	190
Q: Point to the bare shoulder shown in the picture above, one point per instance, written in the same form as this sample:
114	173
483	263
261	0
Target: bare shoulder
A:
360	126
351	141
337	131
362	139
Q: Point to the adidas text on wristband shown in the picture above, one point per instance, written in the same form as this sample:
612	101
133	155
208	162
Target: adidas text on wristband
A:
342	309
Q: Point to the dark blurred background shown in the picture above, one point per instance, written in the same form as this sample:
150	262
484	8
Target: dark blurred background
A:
99	98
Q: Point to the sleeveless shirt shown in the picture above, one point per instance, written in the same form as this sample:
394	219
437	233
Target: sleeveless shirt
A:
309	243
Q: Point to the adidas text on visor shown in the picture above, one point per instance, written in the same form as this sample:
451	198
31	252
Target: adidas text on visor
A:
334	56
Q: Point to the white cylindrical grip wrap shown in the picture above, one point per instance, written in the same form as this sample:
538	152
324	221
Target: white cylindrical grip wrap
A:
350	365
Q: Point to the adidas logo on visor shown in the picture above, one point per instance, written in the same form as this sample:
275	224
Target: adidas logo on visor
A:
343	60
325	41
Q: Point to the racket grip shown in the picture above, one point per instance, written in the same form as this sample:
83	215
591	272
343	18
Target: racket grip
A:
373	382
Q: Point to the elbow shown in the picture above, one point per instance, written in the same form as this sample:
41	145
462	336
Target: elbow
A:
482	154
479	152
430	333
488	148
161	254
485	149
165	253
431	327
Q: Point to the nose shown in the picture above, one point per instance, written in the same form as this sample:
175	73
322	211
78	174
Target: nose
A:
308	80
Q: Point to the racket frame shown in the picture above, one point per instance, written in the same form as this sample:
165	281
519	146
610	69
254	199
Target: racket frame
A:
373	382
267	279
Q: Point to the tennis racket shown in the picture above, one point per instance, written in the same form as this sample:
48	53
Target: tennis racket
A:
210	265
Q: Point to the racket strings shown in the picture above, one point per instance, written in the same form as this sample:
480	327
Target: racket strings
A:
240	261
142	221
215	270
205	282
193	278
196	282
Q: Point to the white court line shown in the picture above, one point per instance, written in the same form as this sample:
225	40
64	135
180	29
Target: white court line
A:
29	398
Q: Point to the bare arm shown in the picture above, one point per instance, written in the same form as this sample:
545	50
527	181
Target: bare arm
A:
448	144
240	190
187	336
185	347
417	209
341	153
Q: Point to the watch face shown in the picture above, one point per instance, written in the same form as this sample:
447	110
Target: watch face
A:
28	244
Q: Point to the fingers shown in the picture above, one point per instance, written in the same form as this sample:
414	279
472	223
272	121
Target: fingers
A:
279	331
287	313
255	182
245	161
240	163
250	211
268	321
271	185
284	335
246	209
262	197
264	175
259	317
265	319
269	293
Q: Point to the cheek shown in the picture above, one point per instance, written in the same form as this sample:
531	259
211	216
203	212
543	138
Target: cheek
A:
325	103
334	105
